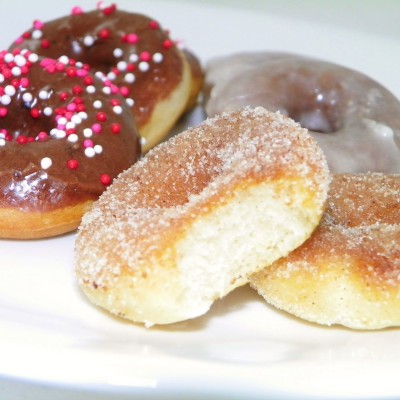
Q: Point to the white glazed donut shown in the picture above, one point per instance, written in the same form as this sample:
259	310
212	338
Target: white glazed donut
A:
355	120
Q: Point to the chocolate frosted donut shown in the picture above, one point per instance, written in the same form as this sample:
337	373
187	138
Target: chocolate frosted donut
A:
63	139
133	55
355	120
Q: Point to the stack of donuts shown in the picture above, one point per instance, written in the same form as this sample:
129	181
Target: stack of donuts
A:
306	212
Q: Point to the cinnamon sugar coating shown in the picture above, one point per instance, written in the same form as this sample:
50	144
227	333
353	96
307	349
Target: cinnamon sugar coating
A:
348	272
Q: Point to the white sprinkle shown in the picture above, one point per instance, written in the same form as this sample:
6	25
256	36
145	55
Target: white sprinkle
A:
87	132
10	90
20	60
82	115
44	95
5	100
53	132
60	134
111	76
16	71
90	89
64	60
33	57
130	102
8	58
100	75
158	57
144	66
106	90
90	152
37	34
48	111
88	41
79	64
70	125
76	119
122	65
46	163
2	135
98	149
117	109
62	121
27	97
97	104
133	58
1	78
118	52
129	77
2	142
73	138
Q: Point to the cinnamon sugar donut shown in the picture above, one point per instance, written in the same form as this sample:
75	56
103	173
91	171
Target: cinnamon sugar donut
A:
198	214
355	120
348	272
133	55
62	141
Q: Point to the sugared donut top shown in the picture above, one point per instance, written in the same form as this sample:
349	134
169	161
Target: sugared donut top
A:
130	52
63	135
355	119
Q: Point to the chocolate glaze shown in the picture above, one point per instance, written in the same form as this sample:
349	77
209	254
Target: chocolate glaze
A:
27	185
66	36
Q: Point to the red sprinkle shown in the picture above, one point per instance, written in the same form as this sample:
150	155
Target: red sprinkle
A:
154	25
167	44
104	34
35	113
115	128
109	10
3	112
22	140
105	179
72	164
45	44
101	117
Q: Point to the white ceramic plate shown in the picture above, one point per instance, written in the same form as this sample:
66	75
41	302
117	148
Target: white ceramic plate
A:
54	345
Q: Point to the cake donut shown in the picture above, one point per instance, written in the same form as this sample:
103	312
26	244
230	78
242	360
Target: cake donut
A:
132	54
192	219
355	120
348	272
63	139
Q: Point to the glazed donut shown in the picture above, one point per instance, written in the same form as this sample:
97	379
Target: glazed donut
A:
190	221
348	272
62	141
133	55
355	120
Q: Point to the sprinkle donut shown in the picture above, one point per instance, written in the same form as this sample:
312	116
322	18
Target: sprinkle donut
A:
355	120
63	139
190	221
133	55
348	272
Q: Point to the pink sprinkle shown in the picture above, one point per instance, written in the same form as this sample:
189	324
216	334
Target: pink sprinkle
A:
24	82
124	91
81	73
19	40
76	11
96	128
145	56
71	107
3	112
132	38
42	136
87	143
114	89
38	24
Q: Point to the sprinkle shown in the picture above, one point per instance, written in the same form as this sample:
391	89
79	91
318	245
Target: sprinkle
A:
104	34
130	38
133	57
122	65
101	117
5	100
35	113
33	58
45	44
37	34
72	164
91	89
144	66
48	111
145	56
64	60
73	138
27	97
98	149
130	102
41	136
44	95
3	112
37	24
105	179
97	104
129	77
115	128
22	139
8	58
117	110
88	41
76	11
154	25
89	152
87	132
2	142
106	90
76	119
167	44
96	128
20	60
9	90
46	163
118	52
158	57
60	134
